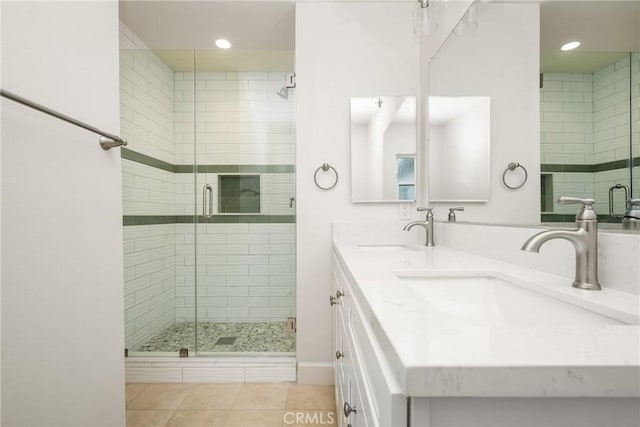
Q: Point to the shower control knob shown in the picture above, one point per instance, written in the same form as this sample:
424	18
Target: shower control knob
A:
332	300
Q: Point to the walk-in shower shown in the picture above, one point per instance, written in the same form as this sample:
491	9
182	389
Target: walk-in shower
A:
209	230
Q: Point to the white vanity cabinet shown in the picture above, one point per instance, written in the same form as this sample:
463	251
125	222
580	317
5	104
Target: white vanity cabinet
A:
367	394
396	363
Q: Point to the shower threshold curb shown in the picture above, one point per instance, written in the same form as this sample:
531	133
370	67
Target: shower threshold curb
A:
208	368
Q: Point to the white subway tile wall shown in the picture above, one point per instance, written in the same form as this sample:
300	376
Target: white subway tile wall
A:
585	121
149	281
566	109
147	190
245	271
240	119
611	112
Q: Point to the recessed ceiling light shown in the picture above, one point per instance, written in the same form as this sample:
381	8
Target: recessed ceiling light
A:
223	44
570	46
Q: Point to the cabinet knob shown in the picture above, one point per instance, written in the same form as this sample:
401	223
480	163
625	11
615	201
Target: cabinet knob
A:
339	294
332	300
348	409
339	355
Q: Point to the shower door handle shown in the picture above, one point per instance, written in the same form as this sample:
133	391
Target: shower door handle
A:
207	189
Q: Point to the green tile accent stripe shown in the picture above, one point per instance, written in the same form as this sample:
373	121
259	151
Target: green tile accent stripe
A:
242	169
134	156
567	168
148	219
618	164
146	160
600	167
128	220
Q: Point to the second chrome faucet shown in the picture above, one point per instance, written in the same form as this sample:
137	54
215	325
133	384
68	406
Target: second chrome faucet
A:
427	224
584	240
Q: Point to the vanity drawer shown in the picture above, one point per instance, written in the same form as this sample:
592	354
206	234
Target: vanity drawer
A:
389	403
357	394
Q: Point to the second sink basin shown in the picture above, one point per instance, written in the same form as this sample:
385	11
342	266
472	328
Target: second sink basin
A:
486	300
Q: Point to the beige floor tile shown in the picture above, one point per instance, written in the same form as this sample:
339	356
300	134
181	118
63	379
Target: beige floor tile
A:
198	418
309	418
133	390
262	396
304	396
161	396
254	418
148	418
211	396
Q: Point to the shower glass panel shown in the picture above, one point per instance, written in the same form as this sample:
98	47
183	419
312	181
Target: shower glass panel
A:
159	273
245	252
208	197
635	124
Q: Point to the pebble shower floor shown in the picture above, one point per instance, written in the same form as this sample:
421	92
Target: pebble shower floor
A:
273	337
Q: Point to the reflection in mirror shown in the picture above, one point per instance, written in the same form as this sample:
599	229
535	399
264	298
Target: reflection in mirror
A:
589	101
383	149
459	147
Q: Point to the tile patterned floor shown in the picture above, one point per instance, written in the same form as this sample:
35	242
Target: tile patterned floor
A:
251	337
240	405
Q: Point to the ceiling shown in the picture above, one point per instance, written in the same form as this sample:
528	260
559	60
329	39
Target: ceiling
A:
262	33
606	30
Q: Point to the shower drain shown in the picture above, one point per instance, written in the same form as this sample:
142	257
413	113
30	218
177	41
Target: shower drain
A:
226	341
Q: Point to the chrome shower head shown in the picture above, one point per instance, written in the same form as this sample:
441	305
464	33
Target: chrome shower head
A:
283	92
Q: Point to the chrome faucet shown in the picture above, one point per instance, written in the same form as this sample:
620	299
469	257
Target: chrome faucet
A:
427	224
584	240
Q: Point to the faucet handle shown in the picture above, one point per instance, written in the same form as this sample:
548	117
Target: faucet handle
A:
452	213
586	212
562	200
429	212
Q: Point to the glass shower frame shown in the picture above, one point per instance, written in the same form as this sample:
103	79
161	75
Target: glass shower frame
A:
206	292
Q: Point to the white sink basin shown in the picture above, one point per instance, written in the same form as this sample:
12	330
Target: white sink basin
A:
485	300
381	248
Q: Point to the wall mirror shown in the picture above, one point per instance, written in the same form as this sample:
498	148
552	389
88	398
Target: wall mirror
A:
383	149
459	147
589	106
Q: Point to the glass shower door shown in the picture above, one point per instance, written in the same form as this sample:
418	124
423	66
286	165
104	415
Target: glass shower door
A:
156	103
245	238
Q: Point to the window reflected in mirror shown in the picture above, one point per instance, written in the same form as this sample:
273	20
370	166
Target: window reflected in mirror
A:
383	149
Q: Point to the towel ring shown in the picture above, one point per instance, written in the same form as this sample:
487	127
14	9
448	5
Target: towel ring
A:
325	168
511	167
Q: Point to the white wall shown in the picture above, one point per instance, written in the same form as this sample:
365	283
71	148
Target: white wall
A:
62	306
342	50
459	153
501	60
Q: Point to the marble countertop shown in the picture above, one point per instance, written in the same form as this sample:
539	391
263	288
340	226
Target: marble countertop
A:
432	355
